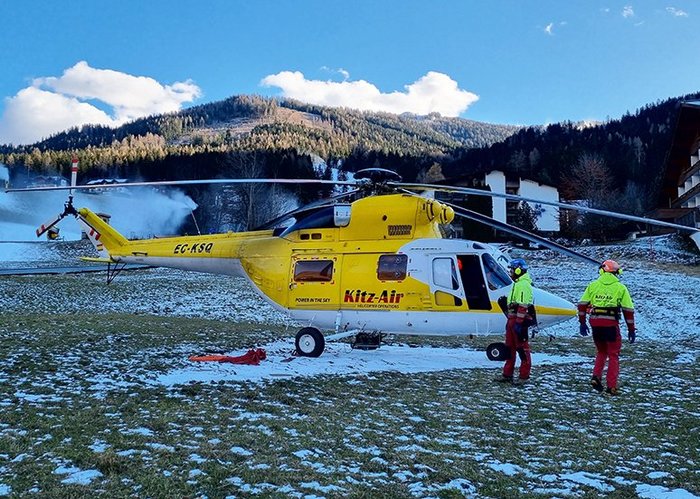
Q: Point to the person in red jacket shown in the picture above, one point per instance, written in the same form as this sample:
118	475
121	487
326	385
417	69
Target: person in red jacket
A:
606	299
520	317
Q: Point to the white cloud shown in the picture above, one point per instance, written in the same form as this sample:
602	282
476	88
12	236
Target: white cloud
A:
676	12
53	104
627	11
549	29
342	72
434	92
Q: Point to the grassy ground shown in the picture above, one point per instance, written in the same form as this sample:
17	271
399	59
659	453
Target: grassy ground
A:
75	395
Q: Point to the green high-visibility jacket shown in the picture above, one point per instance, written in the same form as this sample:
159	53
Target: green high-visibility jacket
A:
521	293
607	291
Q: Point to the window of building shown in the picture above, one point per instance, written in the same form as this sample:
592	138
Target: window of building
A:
313	271
392	267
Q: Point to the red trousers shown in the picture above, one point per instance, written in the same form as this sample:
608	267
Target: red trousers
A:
517	347
608	343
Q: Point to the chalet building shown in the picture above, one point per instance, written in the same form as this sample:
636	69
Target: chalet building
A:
505	210
48	181
679	200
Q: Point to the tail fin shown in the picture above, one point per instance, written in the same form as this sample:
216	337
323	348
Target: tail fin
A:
103	237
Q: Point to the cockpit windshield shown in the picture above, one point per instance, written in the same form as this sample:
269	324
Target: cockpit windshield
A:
496	276
320	219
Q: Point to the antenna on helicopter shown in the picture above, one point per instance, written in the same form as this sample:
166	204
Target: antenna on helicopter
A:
199	232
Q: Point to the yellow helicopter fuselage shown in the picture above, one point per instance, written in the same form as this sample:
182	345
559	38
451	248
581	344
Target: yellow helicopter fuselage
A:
380	264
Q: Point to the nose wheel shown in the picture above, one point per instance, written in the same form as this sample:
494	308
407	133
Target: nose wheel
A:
309	342
497	351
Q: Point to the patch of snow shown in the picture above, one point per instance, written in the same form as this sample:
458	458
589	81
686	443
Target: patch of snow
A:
462	485
686	358
505	468
139	431
160	447
587	479
62	470
657	474
303	454
98	446
240	451
321	488
341	359
82	477
657	492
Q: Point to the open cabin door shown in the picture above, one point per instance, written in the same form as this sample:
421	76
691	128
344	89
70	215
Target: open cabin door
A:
472	277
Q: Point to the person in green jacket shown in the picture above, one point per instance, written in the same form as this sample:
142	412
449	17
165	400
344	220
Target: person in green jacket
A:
519	319
606	299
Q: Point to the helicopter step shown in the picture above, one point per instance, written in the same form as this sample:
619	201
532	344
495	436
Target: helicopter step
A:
367	341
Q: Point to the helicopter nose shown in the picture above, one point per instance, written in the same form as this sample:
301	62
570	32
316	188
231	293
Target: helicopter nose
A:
552	309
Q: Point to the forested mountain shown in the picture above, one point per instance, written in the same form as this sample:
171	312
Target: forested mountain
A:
250	123
614	165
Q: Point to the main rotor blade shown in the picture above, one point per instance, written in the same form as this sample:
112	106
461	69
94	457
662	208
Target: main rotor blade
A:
192	182
515	197
316	204
529	236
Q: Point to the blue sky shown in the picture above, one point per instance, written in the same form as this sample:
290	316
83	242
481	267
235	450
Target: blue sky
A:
516	62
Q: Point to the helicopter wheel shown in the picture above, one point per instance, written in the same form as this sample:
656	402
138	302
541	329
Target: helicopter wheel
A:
309	342
497	351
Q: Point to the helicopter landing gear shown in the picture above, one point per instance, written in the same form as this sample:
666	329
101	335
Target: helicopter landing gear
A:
367	341
309	342
497	351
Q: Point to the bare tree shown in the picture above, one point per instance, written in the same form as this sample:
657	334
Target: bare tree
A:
591	182
250	205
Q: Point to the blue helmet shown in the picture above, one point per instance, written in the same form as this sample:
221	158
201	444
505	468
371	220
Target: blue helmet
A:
518	266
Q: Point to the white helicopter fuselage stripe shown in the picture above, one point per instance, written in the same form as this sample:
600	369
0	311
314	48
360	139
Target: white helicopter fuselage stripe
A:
402	322
417	323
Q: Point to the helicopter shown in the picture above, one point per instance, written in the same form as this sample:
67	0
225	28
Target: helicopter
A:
376	265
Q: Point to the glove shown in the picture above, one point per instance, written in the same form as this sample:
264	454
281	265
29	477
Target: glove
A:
520	332
632	335
583	330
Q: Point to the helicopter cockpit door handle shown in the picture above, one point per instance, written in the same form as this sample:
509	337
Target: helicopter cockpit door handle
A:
292	285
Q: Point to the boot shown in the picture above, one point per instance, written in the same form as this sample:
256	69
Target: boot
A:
520	381
612	391
504	379
596	384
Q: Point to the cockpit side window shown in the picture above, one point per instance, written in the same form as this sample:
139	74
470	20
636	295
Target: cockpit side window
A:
496	276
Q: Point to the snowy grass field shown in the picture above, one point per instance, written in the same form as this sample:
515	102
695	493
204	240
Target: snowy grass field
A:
97	396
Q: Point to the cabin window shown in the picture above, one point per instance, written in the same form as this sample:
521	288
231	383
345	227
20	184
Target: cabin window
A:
496	276
313	271
445	273
392	267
